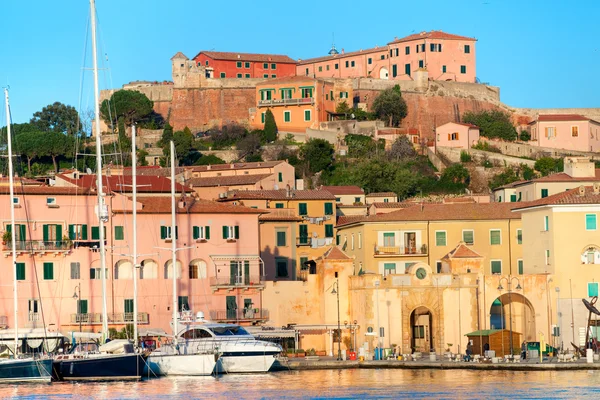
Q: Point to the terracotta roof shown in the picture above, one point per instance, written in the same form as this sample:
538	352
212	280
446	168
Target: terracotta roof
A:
280	194
432	35
450	200
558	177
572	196
335	253
342	190
289	79
162	205
449	212
562	117
462	251
230	56
232	180
153	171
20	181
392	204
122	183
382	194
52	190
342	55
233	166
179	55
349	219
279	214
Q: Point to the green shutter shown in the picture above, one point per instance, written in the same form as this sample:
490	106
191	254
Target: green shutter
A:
593	289
440	238
329	230
83	306
246	272
119	234
72	232
519	236
176	232
182	303
303	234
163	232
22	233
468	237
20	271
233	266
590	222
280	176
84	232
495	237
278	205
281	238
48	271
520	263
496	267
45	231
59	233
236	231
328	208
225	232
207	232
302	209
196	232
95	233
128	306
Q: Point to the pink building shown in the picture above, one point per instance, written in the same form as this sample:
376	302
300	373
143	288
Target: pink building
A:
363	63
565	131
220	272
457	134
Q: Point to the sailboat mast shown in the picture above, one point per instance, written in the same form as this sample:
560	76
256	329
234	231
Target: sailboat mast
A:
12	223
135	259
173	242
101	213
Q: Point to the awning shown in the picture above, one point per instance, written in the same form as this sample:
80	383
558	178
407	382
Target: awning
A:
152	332
9	334
235	258
272	333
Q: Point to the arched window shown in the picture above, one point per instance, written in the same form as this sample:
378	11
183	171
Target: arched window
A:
123	270
169	270
148	269
197	269
591	255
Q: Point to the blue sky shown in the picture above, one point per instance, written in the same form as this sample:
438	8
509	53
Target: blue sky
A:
540	53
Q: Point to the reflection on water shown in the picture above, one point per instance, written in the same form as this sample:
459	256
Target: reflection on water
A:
357	383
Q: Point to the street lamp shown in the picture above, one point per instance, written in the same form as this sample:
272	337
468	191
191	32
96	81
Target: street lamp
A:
509	281
77	296
336	291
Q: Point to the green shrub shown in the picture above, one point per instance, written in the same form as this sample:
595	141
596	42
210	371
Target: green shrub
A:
465	157
485	146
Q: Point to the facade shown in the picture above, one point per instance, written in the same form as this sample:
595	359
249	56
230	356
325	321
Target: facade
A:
371	63
220	64
298	103
456	134
349	200
565	131
381	197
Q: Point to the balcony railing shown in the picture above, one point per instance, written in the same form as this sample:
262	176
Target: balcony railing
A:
38	245
236	281
286	102
245	314
113	318
303	241
400	250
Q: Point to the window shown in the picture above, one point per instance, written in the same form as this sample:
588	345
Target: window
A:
278	205
547	257
440	238
303	230
281	239
357	200
52	232
347	63
389	268
320	69
286	93
119	235
266	94
247	76
207	63
519	236
82	306
48	271
468	237
51	202
513	198
266	66
246	65
306	71
463	69
331	95
496	267
443	69
343	95
352	64
389	239
303	261
273	66
95	273
75	270
336	66
394	70
223	75
165	233
201	232
421	63
328	208
544	193
281	268
546	223
520	266
383	56
302	209
328	230
550	132
369	61
273	76
407	69
435	47
396	51
307	116
20	271
419	331
21	231
574	131
495	238
239	75
287	116
238	64
183	303
407	50
231	232
16	201
592	289
590	222
262	118
280	176
438	267
327	67
453	136
467	49
128	306
420	48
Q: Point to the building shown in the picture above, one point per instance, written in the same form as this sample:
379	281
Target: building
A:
371	63
565	131
220	64
577	171
349	200
279	251
388	207
299	102
381	197
457	134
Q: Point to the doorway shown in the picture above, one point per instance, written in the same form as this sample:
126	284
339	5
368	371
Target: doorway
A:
421	321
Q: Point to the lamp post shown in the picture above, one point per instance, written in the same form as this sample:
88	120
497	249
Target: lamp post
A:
509	281
336	291
77	297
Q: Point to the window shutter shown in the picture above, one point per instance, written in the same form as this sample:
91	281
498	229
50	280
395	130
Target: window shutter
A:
449	137
456	135
236	230
225	232
59	233
72	232
196	232
176	232
546	132
45	230
207	232
84	232
22	232
163	232
95	233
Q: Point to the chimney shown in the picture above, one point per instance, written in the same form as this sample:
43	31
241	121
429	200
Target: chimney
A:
208	167
581	190
232	166
342	51
596	187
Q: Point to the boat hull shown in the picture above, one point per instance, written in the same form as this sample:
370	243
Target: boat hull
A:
181	364
100	367
232	364
27	370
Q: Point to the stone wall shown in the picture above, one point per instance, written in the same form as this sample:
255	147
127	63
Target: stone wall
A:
435	160
527	150
453	154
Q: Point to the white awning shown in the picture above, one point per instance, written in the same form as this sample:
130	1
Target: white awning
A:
9	334
272	333
236	258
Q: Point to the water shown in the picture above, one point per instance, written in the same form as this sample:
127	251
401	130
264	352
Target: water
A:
338	384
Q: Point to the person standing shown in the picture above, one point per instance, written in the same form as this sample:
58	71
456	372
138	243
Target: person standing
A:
524	350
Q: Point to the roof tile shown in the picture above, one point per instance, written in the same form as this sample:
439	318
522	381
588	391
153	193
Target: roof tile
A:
280	194
432	35
231	56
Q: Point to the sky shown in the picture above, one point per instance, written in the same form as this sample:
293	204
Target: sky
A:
538	52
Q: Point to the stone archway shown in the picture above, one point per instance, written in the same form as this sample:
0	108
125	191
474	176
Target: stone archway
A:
515	308
421	336
383	73
419	300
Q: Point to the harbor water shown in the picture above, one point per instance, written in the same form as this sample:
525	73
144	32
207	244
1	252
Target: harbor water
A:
338	384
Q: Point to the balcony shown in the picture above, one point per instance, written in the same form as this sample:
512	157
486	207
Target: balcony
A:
248	314
232	282
287	102
386	251
113	318
38	247
303	241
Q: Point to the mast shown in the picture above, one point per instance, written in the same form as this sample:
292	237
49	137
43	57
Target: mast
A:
12	223
102	215
135	259
173	243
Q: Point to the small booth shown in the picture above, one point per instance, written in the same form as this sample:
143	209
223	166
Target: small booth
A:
498	341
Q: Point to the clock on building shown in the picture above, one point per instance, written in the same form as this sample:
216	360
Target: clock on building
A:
421	273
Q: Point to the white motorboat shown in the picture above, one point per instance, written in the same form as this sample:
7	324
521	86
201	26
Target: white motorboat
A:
239	351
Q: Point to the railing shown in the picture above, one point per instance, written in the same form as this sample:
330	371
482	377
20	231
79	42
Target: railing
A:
400	250
113	318
247	314
38	245
303	241
34	317
246	280
3	321
286	102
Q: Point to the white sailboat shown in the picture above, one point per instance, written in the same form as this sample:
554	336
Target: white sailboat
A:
174	359
15	369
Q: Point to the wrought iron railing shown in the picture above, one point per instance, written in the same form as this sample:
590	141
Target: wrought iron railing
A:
246	280
286	102
39	245
113	318
248	314
400	250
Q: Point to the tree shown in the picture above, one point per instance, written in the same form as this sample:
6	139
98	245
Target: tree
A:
455	178
343	108
183	146
402	149
390	106
166	137
130	105
547	165
270	128
55	145
504	178
209	159
30	144
58	118
492	124
250	147
524	136
317	155
363	146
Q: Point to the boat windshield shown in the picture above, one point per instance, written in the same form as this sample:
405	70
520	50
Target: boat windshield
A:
229	331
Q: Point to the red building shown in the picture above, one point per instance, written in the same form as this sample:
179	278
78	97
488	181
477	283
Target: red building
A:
244	65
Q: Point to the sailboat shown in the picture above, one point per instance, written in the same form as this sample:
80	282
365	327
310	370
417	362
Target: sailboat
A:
173	359
109	363
16	369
